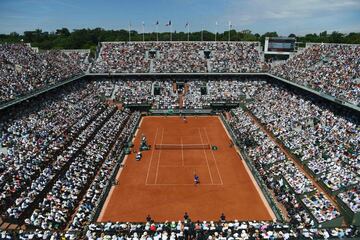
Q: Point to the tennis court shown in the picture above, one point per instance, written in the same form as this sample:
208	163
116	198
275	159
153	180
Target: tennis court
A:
162	185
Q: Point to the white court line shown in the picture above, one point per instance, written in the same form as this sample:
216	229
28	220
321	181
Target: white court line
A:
109	196
182	153
152	154
217	168
158	163
206	159
182	184
178	166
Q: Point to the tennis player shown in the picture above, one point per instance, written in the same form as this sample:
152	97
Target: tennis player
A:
196	179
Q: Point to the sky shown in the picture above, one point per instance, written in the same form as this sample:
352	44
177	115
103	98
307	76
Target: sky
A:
259	16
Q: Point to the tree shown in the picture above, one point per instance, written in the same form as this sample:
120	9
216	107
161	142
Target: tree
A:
336	37
323	34
63	38
63	32
292	35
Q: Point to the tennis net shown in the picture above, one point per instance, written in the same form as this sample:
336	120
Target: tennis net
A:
182	146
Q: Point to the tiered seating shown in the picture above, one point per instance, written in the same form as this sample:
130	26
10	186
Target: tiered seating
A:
41	185
58	205
59	151
22	70
122	57
92	198
330	68
274	168
324	142
34	135
134	92
212	230
234	57
221	90
177	57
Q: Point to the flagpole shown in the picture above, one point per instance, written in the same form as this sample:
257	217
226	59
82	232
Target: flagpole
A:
188	31
170	32
229	30
143	31
157	32
129	31
216	24
202	33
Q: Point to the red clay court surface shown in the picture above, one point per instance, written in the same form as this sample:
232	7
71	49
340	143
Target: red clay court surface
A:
162	183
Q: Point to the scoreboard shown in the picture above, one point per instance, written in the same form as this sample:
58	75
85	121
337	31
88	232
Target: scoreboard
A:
279	45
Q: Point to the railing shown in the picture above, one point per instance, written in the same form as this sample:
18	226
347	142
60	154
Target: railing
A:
181	111
5	104
317	92
351	216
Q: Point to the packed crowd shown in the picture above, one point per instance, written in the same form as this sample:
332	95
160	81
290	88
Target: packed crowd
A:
79	56
51	151
330	68
38	235
321	207
351	198
30	136
23	70
209	230
38	188
234	57
91	202
276	170
58	152
328	144
60	202
168	98
187	230
222	90
122	57
143	92
177	57
134	92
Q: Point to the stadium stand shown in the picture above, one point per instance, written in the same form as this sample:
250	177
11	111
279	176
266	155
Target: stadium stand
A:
122	57
178	57
221	90
310	131
23	70
276	169
235	57
59	151
214	230
330	68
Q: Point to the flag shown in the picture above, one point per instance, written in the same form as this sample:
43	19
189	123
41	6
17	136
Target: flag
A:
168	24
230	25
143	23
186	25
157	23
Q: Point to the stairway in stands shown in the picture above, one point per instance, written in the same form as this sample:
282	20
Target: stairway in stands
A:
182	95
181	100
